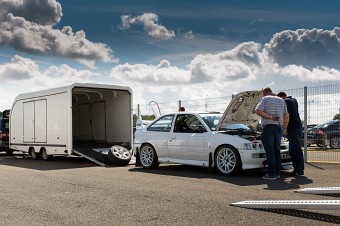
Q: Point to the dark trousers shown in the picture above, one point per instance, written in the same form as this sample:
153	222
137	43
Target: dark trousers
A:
271	140
295	150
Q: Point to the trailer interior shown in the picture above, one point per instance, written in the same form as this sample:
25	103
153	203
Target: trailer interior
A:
101	118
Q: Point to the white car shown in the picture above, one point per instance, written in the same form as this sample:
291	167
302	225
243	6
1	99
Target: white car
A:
203	139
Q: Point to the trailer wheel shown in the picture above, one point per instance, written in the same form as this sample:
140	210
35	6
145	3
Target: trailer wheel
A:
33	154
45	156
9	151
119	155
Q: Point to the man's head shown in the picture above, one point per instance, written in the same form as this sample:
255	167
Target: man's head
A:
181	109
283	95
267	91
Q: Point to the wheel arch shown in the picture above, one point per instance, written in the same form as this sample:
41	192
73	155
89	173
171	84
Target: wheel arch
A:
228	145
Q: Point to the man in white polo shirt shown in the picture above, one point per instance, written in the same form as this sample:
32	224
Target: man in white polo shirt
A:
274	118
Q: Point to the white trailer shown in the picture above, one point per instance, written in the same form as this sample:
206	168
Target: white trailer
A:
79	119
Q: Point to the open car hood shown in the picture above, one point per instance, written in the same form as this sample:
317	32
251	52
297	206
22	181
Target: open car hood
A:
241	110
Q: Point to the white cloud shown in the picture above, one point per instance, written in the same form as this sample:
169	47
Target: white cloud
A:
163	73
19	69
247	66
309	48
24	75
38	11
27	26
150	24
189	35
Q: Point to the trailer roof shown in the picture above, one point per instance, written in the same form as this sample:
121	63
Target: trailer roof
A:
69	88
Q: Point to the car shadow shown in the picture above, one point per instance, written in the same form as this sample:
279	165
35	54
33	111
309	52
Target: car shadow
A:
247	178
17	159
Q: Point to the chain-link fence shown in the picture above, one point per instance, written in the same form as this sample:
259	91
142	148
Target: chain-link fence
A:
317	105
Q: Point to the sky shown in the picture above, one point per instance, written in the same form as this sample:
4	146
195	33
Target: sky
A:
168	50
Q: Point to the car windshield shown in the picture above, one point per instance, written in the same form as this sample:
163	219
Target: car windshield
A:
211	119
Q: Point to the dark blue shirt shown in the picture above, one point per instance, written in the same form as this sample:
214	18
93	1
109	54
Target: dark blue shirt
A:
293	110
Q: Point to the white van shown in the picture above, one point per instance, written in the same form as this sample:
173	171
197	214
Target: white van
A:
79	119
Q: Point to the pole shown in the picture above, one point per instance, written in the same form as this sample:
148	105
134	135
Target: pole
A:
305	124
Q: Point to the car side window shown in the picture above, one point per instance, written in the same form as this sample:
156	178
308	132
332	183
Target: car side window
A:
187	123
163	124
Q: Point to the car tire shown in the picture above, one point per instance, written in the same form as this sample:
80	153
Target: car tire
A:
104	157
45	156
228	161
335	142
148	157
119	156
34	155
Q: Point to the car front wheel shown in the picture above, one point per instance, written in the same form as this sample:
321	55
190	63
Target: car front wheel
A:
148	157
228	161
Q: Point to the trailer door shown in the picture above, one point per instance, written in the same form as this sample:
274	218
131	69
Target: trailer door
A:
28	121
40	121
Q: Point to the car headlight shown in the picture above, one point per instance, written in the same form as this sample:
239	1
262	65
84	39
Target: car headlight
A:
252	146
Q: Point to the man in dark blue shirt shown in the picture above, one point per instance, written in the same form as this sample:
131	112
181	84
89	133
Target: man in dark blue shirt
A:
294	130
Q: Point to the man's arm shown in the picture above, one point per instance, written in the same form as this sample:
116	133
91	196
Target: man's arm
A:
265	115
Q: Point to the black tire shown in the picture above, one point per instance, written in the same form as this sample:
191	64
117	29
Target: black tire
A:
335	142
228	161
9	151
119	156
45	156
104	157
148	157
34	155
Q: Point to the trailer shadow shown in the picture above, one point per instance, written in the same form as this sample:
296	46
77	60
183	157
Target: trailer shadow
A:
247	178
17	159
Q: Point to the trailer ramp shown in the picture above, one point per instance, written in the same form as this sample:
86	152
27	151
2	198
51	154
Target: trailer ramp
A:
90	154
320	191
290	204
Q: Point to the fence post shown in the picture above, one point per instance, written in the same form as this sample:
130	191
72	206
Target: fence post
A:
305	93
138	112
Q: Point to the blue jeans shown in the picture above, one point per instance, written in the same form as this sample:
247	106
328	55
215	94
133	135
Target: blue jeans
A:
271	140
295	150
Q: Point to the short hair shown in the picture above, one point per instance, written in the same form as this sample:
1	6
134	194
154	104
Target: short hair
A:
267	91
282	94
181	109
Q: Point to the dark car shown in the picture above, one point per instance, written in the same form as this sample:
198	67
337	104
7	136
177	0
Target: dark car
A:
326	131
4	135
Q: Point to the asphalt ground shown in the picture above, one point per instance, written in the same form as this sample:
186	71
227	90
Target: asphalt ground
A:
73	191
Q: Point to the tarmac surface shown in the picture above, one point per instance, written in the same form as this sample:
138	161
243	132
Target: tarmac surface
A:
73	191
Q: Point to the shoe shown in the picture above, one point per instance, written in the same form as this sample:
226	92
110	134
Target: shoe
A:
294	174
268	177
278	176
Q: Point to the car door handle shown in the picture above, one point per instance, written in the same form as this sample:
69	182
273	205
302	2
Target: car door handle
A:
173	138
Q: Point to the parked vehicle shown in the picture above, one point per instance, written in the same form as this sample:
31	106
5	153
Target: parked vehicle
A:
329	130
204	139
79	119
4	133
309	142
